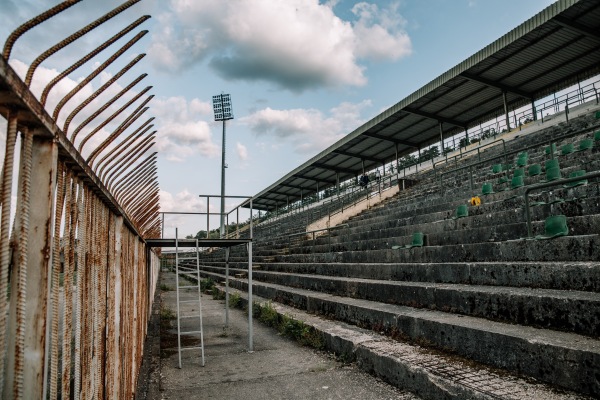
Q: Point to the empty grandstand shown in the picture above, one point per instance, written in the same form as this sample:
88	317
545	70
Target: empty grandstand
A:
470	271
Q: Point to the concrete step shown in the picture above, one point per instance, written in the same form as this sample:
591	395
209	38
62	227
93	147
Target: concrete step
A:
566	248
430	374
565	310
567	360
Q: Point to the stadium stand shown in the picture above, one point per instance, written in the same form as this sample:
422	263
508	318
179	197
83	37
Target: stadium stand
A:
530	308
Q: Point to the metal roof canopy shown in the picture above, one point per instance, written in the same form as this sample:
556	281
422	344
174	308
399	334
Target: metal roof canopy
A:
553	50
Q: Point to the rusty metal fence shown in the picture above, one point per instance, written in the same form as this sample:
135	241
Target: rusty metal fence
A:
77	278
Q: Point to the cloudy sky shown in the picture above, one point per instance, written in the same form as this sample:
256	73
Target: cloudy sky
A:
301	73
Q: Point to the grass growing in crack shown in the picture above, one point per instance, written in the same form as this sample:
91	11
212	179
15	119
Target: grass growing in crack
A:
287	326
234	299
166	316
207	285
165	288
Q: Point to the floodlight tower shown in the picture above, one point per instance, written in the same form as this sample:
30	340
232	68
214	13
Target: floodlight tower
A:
223	112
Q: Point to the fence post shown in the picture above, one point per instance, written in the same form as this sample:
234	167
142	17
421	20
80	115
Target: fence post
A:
43	180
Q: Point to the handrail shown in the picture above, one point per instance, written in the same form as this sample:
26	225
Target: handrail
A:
550	184
552	139
478	152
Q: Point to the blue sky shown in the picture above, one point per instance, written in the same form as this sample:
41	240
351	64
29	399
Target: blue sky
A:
301	74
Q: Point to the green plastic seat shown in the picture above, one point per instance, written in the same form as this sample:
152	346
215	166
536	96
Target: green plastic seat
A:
462	211
567	149
505	167
487	189
552	174
496	168
552	163
575	174
417	241
597	136
585	144
517	182
555	226
502	180
519	172
522	161
534	170
597	114
550	149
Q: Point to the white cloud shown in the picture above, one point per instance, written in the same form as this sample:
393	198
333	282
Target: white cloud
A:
184	201
182	133
307	129
296	44
242	151
379	32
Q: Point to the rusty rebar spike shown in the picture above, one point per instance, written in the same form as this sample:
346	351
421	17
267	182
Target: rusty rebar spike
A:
142	198
71	215
135	180
118	150
150	160
112	117
120	129
132	178
132	159
7	182
17	33
148	217
146	208
133	150
149	211
20	272
87	57
110	157
61	191
141	180
113	136
120	184
97	93
95	73
136	190
70	39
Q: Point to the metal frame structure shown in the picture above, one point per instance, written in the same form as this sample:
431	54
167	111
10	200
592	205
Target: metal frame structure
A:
556	48
225	243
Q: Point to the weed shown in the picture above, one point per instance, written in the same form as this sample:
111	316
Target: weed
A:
207	285
287	326
234	299
166	316
165	288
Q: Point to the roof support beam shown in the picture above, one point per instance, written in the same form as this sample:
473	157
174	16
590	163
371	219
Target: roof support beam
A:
389	139
491	83
335	169
360	157
308	178
434	117
577	27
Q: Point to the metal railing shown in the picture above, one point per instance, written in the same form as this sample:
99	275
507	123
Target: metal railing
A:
512	152
559	182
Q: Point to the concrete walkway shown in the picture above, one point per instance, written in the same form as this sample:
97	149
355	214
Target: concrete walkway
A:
279	368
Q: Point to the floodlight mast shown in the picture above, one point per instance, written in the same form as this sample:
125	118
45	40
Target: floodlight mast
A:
223	112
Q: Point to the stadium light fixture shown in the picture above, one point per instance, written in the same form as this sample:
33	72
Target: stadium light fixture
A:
223	112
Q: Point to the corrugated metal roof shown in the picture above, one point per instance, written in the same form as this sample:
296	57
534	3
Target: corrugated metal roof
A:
549	52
